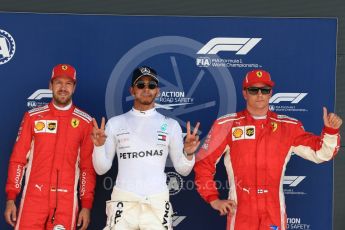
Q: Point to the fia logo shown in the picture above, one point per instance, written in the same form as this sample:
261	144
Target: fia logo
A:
7	47
203	62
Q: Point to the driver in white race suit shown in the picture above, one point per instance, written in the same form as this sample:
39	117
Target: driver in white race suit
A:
142	138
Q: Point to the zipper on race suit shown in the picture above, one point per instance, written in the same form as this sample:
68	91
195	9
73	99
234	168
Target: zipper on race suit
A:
56	196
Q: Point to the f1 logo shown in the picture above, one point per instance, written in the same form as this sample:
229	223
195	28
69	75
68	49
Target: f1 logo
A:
294	98
241	45
177	220
41	93
34	100
293	181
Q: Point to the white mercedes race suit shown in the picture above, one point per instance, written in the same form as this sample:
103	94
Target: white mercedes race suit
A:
142	141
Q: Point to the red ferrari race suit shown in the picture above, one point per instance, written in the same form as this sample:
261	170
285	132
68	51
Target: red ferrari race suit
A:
256	153
54	149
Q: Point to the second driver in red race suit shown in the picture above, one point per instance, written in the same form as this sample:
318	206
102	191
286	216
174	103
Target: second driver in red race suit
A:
258	144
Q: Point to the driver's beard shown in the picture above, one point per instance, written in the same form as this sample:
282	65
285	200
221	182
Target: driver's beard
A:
61	103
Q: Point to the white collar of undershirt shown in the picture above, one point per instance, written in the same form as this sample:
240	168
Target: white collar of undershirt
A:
260	117
67	107
148	112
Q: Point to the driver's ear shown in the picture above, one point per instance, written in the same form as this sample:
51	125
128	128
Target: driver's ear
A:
244	93
131	90
158	92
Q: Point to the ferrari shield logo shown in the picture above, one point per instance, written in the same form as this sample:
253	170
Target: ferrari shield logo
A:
259	74
274	126
75	122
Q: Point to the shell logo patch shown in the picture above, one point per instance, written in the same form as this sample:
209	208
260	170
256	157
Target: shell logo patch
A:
75	122
39	125
237	133
64	67
274	126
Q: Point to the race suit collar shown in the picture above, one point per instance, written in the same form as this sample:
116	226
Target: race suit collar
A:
59	112
260	117
67	107
143	113
251	118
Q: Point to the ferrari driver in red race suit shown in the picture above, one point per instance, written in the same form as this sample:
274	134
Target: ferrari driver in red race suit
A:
258	144
54	149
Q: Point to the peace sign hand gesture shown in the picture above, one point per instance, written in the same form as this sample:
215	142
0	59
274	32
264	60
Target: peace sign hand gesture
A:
191	142
98	134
